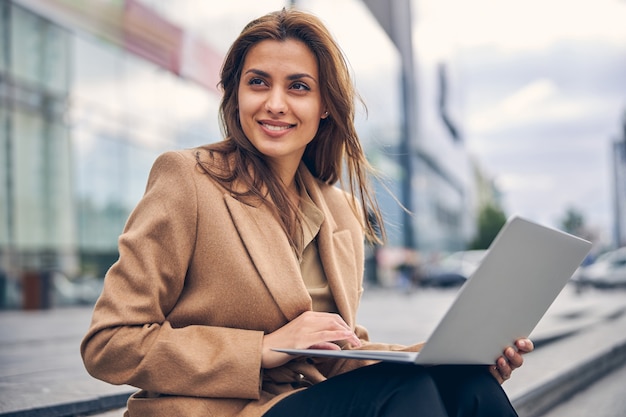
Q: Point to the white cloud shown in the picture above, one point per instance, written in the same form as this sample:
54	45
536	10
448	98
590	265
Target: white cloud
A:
521	181
522	106
538	102
531	24
544	98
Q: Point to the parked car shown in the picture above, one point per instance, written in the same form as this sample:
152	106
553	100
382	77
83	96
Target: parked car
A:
77	291
608	271
453	270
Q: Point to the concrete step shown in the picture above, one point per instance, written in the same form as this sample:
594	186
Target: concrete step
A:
560	369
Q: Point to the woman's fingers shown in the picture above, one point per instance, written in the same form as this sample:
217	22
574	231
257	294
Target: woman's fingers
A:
325	346
524	345
328	327
512	359
501	370
310	329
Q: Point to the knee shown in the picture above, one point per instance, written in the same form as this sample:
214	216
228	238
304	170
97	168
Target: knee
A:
401	380
420	382
477	394
415	393
482	386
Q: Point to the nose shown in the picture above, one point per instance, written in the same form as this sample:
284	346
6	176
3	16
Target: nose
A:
276	102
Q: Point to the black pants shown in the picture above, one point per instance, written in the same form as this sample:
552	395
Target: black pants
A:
400	390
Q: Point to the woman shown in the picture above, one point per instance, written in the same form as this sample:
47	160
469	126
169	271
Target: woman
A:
245	245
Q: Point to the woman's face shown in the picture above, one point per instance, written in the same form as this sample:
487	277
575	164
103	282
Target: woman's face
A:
280	105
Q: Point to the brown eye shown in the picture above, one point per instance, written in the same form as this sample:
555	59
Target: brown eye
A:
300	86
256	81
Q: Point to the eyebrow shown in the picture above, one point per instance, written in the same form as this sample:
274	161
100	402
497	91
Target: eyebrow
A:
290	77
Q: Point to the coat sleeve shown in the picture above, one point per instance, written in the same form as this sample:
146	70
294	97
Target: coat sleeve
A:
130	341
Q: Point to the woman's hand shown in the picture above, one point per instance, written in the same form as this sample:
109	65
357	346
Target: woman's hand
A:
310	330
511	359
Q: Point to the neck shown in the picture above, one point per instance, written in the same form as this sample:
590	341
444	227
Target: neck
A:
293	190
287	175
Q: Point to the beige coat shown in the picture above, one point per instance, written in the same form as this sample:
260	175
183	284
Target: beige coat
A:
200	279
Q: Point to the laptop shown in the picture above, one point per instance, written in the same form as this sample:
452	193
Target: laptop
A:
524	270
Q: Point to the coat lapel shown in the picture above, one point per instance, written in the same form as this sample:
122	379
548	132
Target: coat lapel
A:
275	261
336	253
272	255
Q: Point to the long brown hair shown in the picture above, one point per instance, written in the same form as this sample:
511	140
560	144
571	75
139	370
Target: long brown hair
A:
336	140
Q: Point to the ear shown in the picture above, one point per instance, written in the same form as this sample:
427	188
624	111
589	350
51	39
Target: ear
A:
324	115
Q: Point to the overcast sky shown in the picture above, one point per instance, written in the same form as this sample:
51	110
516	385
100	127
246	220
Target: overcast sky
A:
542	92
544	85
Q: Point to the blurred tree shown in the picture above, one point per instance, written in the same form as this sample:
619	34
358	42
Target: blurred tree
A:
490	220
573	222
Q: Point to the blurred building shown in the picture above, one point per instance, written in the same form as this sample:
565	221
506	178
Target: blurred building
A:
437	182
619	184
91	92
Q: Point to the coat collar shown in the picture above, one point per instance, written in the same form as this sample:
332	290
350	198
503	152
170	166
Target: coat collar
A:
330	255
273	257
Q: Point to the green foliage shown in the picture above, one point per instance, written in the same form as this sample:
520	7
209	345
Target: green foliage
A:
490	221
573	222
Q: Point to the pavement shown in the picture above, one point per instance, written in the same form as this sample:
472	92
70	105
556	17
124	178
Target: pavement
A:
580	355
580	340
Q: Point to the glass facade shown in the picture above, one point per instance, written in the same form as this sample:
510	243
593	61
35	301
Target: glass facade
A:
38	216
441	204
619	188
125	112
81	122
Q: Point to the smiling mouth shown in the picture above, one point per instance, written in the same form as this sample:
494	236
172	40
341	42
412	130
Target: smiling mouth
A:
276	128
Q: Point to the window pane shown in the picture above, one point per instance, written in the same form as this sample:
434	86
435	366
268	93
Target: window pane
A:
4	178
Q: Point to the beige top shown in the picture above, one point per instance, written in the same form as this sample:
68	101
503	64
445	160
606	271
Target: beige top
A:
310	264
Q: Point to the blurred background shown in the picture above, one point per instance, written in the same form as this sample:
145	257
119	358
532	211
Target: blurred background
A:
475	111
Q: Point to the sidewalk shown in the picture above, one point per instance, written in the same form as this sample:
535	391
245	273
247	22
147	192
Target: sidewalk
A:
41	368
581	338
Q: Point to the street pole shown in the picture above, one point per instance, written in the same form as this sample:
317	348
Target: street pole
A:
395	18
